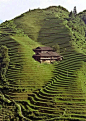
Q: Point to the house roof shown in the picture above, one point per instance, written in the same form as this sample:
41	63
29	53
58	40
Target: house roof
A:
49	54
43	48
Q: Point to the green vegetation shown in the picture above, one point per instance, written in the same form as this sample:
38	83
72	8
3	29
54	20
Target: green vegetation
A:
4	63
48	92
77	28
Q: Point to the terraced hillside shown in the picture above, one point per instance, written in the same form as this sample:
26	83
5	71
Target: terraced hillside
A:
47	92
19	73
32	21
62	98
53	32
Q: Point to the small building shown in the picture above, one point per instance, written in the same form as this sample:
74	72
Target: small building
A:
46	54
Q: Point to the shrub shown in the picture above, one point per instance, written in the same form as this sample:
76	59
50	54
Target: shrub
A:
4	63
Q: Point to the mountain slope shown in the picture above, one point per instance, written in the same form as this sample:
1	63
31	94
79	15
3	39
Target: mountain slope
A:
32	21
47	92
20	73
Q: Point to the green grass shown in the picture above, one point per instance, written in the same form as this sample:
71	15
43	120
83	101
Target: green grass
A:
62	89
64	92
31	68
23	69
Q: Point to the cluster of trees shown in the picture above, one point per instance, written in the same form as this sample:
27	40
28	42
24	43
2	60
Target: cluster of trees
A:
4	63
77	27
76	23
82	15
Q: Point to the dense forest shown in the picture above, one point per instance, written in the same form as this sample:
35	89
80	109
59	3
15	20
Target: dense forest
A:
31	91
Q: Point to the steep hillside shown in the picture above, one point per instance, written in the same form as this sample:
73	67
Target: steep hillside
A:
43	24
23	70
32	21
83	15
45	92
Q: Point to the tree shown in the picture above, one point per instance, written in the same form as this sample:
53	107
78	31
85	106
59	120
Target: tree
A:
56	48
4	63
75	11
70	14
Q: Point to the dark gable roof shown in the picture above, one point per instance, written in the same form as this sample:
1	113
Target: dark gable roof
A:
43	48
48	54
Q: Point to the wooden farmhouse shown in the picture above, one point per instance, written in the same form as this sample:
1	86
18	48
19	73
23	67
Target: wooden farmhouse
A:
46	54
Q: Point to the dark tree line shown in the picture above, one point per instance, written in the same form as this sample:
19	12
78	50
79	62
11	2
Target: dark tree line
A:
4	63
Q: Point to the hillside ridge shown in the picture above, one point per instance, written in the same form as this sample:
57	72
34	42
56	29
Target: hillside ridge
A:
45	91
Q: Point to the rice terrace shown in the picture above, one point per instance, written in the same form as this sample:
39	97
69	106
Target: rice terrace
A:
43	86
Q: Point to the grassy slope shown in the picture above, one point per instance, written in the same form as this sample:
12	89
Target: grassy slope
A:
54	31
32	21
31	68
69	77
23	69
